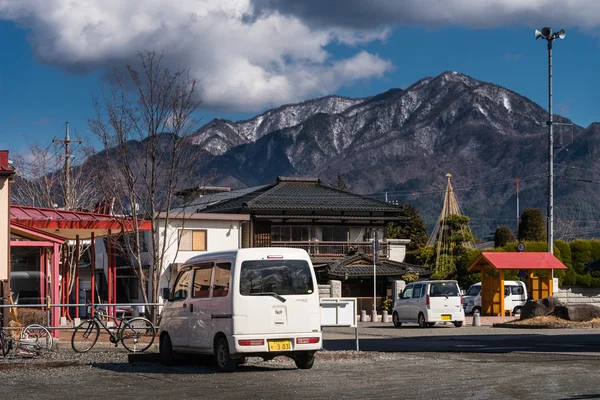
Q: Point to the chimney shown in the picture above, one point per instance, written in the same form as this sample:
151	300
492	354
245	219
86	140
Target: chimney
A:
4	160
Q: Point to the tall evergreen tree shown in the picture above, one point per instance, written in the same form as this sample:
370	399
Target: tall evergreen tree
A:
502	236
412	228
532	226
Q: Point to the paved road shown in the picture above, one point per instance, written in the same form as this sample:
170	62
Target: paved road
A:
385	337
412	363
388	376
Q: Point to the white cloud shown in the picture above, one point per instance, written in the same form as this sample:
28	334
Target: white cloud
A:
471	13
244	61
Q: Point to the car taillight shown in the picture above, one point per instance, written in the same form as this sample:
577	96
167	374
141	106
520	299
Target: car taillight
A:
252	342
427	301
307	340
461	302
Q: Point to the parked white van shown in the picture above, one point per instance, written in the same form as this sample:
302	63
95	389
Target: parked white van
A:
249	302
515	297
428	302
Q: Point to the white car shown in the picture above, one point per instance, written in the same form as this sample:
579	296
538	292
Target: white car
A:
428	302
261	302
515	297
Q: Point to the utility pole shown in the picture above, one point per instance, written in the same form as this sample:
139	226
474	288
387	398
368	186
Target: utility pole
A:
67	141
547	34
518	216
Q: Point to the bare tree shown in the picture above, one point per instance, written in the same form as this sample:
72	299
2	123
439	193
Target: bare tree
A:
41	179
144	120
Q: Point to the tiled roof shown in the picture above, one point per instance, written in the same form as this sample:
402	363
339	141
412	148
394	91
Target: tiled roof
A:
362	265
233	200
303	194
327	217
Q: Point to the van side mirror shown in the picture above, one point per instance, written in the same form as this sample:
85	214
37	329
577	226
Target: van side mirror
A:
165	293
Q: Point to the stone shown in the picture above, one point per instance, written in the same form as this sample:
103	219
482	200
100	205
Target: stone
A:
578	312
540	308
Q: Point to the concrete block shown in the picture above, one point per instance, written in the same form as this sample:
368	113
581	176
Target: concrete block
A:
76	321
336	288
384	316
397	288
63	320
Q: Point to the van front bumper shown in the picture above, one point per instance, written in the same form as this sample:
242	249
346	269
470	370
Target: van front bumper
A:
279	338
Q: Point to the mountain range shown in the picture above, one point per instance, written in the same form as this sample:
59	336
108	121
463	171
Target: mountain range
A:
400	145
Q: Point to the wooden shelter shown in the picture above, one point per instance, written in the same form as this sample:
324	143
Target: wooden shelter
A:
536	266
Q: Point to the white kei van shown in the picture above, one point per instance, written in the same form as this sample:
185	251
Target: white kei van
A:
249	302
428	302
515	297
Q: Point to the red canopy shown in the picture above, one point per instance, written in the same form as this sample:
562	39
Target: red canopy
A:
70	224
511	260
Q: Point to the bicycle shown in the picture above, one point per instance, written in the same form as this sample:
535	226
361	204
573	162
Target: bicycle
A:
33	340
134	332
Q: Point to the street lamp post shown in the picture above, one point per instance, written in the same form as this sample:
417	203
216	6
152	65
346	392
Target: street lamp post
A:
547	34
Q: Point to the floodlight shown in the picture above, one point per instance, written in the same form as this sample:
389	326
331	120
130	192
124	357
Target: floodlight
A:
561	34
538	34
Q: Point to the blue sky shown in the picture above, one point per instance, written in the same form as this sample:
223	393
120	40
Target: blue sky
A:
47	77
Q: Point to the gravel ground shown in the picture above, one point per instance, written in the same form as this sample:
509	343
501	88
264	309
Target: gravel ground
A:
343	375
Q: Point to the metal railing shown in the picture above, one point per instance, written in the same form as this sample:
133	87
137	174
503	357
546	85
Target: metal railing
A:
334	249
88	306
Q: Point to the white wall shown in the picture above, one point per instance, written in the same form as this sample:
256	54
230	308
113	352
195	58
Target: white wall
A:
220	235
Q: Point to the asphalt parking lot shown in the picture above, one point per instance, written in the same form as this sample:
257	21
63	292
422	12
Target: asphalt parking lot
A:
413	363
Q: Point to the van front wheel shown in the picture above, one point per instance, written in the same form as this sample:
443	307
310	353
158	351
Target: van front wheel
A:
396	320
304	360
224	361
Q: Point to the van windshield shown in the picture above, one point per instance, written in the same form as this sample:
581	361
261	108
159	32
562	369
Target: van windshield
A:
473	290
439	289
282	277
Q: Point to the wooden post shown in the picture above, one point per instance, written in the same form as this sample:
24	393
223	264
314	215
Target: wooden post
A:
502	309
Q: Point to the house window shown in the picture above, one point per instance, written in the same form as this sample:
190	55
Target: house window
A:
298	233
335	233
192	240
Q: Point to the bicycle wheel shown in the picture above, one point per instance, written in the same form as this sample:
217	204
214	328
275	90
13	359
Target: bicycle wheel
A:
137	334
36	339
85	336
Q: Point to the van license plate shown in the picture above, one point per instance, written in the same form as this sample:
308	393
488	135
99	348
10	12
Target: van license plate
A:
446	317
279	345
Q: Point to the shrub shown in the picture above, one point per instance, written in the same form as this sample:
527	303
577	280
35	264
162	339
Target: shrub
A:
409	277
388	305
28	316
584	280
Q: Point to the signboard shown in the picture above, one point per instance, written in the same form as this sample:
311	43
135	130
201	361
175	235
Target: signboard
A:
339	312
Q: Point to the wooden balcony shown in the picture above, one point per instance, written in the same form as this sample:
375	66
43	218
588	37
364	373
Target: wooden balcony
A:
335	249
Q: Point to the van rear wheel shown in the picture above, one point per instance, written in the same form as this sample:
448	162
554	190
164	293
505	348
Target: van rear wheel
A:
517	310
224	361
421	320
396	320
458	324
304	360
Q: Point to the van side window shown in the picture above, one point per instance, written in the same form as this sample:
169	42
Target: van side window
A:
202	281
180	290
417	291
517	290
221	281
407	294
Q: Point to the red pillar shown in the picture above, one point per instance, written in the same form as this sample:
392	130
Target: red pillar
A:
93	271
42	269
114	282
77	275
54	294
